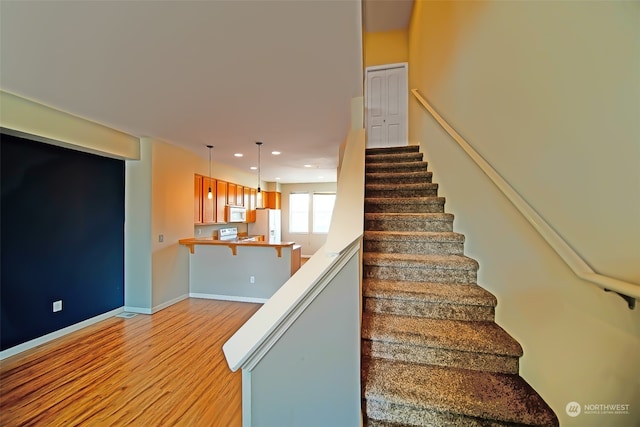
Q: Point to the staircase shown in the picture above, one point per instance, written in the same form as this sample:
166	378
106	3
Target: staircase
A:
432	354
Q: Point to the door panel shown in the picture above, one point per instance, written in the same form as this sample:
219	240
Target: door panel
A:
387	107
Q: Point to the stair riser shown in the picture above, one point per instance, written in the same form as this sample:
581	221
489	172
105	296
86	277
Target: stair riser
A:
400	192
399	178
385	414
415	207
393	158
440	356
432	310
426	274
400	225
413	247
395	167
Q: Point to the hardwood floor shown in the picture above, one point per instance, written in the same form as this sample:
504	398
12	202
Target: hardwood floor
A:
165	369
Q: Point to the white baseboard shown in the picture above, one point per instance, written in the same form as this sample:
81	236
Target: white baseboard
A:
157	308
138	310
57	334
229	298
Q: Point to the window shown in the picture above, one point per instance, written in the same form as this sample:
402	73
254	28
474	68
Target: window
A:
299	213
322	209
305	210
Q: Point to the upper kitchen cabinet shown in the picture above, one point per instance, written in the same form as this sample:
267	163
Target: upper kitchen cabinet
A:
271	199
239	195
253	203
208	205
221	200
203	207
231	193
197	199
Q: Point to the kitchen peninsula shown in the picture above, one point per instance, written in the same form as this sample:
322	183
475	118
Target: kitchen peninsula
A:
239	268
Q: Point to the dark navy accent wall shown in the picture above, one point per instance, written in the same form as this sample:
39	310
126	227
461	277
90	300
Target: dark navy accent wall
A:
62	238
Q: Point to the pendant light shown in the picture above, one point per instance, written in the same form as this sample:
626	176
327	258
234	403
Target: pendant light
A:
210	194
259	144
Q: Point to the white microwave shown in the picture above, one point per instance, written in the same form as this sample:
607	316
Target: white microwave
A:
236	214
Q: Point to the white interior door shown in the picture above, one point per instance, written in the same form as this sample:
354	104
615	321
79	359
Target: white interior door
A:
387	106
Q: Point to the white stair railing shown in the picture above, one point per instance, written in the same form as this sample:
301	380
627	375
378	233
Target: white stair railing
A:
627	290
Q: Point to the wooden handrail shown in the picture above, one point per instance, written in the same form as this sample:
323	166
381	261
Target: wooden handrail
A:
629	291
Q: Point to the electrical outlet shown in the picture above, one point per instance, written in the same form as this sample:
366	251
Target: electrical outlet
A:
161	238
252	279
199	231
57	306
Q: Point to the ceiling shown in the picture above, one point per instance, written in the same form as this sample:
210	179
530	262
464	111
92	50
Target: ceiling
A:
192	73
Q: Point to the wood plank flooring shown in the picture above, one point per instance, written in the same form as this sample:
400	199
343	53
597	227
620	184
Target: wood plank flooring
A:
165	369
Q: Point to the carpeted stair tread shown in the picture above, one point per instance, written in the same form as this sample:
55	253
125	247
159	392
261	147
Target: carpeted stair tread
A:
433	300
437	221
426	189
404	204
404	166
413	186
422	242
472	337
415	236
409	397
451	293
446	262
399	177
390	150
394	157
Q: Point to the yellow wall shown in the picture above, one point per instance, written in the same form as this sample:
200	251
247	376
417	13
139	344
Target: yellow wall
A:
59	128
388	47
548	93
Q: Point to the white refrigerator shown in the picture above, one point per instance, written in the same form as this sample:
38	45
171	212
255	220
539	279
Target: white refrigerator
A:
268	223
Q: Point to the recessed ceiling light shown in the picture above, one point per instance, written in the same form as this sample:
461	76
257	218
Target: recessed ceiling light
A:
275	153
307	166
277	178
253	168
238	154
321	177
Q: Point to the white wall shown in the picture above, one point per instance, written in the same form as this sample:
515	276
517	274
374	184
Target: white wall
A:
548	93
310	242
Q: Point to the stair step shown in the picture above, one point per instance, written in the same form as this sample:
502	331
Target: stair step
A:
420	268
391	150
433	300
471	345
424	242
404	204
394	157
396	178
425	189
420	395
383	167
408	221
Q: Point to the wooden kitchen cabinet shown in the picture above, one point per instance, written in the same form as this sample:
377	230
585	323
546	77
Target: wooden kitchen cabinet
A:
197	199
271	199
221	200
203	207
231	193
208	205
239	195
246	193
253	203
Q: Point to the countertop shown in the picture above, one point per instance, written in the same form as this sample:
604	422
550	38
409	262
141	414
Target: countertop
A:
233	244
